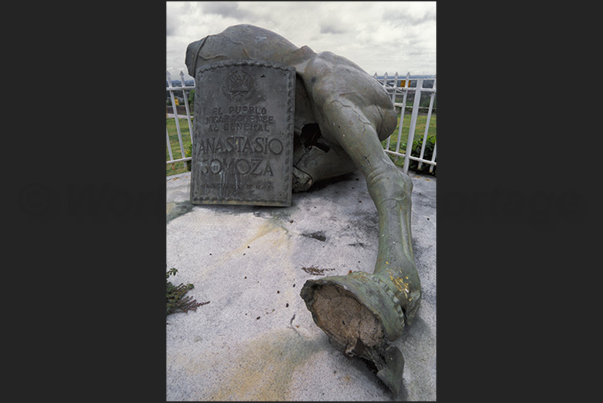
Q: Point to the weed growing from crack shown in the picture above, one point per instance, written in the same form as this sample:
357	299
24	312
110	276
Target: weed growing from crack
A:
176	301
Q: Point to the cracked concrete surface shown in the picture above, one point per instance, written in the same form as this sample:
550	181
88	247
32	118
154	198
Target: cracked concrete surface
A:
256	340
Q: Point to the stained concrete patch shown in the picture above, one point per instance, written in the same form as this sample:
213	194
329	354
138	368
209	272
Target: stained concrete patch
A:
319	236
256	340
176	209
266	368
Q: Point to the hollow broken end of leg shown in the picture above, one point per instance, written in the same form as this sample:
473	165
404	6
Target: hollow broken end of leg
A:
353	327
337	312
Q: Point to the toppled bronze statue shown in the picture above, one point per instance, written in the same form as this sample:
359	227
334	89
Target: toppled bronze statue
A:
341	116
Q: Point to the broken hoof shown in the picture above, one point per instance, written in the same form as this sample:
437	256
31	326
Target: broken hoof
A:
361	319
391	372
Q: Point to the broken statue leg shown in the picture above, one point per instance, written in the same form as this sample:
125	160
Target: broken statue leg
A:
363	313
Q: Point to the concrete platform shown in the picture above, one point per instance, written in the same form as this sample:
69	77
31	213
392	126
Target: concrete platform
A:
256	340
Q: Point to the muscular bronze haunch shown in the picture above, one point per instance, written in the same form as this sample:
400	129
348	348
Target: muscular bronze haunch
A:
341	116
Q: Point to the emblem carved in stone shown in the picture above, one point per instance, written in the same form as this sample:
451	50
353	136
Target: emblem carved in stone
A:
238	86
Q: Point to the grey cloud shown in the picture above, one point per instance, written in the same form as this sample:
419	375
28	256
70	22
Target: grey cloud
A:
400	18
170	26
224	8
329	28
175	12
418	52
428	16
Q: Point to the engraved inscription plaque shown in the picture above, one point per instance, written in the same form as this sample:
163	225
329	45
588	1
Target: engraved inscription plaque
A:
243	134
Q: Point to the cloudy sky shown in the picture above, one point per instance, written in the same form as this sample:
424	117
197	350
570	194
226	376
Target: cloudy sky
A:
393	36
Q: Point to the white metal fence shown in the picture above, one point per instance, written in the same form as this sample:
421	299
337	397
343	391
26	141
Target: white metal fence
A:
171	89
397	86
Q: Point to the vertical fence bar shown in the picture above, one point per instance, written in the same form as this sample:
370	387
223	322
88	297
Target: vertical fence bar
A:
427	124
169	146
387	142
426	129
406	85
433	157
176	115
384	81
395	86
413	124
188	112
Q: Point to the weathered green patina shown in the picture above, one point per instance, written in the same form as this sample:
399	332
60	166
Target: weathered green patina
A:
341	116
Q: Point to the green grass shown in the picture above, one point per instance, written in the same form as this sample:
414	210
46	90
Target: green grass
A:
180	167
419	131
